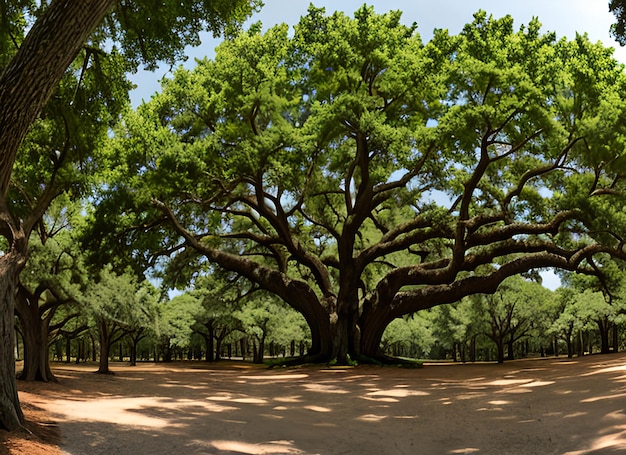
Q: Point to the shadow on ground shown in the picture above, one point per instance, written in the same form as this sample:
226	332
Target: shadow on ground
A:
546	406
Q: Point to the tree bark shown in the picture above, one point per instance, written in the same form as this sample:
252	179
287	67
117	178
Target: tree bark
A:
35	334
11	416
603	329
32	75
26	84
105	346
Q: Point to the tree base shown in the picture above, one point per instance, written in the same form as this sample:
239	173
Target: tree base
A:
357	359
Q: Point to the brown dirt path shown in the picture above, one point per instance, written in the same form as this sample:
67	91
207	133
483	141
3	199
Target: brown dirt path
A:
551	406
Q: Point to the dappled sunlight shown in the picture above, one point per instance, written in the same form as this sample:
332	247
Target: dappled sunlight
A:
382	400
614	441
397	393
237	399
505	382
447	410
371	418
601	369
499	402
537	384
603	397
317	408
324	388
122	411
268	448
574	415
289	399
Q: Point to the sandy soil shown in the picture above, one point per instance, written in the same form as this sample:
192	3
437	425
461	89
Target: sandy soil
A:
551	406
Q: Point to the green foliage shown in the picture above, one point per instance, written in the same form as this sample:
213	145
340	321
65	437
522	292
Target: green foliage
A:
176	318
148	32
382	174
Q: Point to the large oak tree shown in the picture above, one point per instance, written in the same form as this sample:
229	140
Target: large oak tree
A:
362	175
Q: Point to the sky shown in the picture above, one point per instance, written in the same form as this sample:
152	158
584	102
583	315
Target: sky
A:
564	17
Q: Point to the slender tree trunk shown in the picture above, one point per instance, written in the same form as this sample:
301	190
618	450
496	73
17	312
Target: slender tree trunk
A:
472	348
218	349
133	351
105	346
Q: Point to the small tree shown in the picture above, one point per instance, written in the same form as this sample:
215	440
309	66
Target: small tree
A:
118	305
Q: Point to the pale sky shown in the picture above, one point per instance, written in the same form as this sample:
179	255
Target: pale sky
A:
565	17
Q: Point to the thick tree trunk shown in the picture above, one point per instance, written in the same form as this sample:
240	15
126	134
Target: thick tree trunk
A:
35	335
36	355
32	75
11	416
372	329
26	84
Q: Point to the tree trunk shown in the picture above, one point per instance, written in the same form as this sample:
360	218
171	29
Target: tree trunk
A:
11	416
603	328
133	351
35	337
105	346
500	347
473	348
33	73
36	355
26	84
510	353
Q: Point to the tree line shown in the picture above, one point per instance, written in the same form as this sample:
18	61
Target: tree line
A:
348	170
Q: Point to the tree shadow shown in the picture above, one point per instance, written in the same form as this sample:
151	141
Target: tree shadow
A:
527	407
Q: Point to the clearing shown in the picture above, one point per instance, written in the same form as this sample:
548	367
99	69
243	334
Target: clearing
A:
547	406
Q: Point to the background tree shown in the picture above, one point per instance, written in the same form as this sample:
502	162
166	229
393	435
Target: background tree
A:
144	314
119	306
361	175
174	324
216	318
409	336
48	294
618	29
509	313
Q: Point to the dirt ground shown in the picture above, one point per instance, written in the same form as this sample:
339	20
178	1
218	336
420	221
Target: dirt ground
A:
549	406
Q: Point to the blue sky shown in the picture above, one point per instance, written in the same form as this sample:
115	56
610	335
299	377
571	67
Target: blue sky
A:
565	17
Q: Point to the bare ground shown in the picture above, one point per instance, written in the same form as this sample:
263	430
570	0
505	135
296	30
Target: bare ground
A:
549	406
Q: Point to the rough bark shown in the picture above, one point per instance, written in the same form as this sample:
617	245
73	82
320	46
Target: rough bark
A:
11	416
31	77
35	333
26	84
105	346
